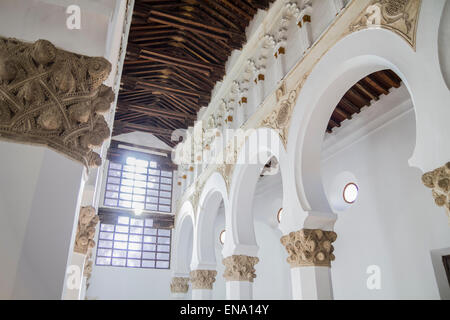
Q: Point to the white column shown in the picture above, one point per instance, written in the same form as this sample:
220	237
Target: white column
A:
239	290
201	294
83	288
310	255
311	283
239	274
74	278
304	23
84	242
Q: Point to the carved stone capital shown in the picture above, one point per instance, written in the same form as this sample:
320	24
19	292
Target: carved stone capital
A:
240	268
54	98
309	247
179	285
87	221
203	279
439	182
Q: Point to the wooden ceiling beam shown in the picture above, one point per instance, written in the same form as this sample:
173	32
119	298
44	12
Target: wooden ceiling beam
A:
183	26
343	113
367	91
192	22
144	128
374	83
333	123
237	9
158	86
220	17
388	80
152	111
347	103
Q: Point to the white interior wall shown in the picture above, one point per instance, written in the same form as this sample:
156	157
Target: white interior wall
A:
40	201
130	283
118	283
394	223
37	211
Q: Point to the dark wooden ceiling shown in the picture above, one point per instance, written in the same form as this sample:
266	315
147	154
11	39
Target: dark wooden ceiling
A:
177	50
361	94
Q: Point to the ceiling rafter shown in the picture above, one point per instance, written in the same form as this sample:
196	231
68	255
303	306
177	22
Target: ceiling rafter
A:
177	50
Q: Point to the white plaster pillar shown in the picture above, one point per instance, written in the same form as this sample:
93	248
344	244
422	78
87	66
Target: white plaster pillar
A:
304	23
202	284
80	265
239	290
239	274
310	255
280	60
179	288
311	283
201	294
83	288
74	279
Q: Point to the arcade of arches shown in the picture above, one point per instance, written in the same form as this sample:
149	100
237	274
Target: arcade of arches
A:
286	149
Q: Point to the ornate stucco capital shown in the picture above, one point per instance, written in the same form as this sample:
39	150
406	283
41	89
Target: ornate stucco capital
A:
54	98
309	247
240	268
179	285
87	221
439	182
203	279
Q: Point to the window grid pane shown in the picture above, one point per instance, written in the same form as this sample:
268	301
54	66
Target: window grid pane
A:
134	243
138	184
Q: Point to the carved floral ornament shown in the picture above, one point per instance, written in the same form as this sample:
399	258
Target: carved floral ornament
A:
309	247
279	119
179	285
54	98
87	221
240	268
399	16
203	279
439	181
226	171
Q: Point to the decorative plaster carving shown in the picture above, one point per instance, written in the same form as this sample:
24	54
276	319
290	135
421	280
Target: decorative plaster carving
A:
203	279
240	268
279	119
54	98
179	285
226	171
309	247
439	181
399	16
87	221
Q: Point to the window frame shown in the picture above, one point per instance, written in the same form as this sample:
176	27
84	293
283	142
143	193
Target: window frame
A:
144	226
146	203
